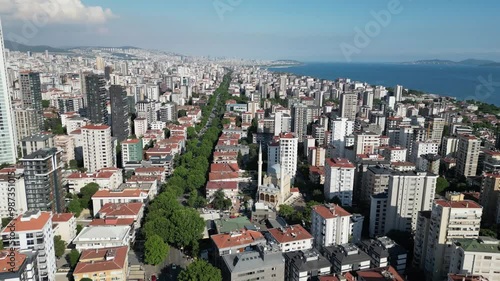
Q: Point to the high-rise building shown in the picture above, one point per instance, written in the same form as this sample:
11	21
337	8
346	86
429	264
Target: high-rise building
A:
67	145
12	178
366	142
26	122
450	219
348	105
284	151
43	180
120	120
339	180
398	93
340	127
375	181
8	151
408	193
476	256
434	127
420	148
98	147
132	150
33	231
100	64
331	225
490	196
168	112
96	98
368	99
303	115
467	155
31	96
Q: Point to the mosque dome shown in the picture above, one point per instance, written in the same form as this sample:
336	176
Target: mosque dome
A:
275	169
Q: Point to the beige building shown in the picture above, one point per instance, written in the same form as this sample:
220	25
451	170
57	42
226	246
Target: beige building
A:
476	256
35	142
26	122
348	105
106	264
467	155
65	226
98	147
490	195
67	145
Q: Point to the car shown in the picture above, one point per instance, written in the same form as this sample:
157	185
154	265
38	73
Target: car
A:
153	277
174	267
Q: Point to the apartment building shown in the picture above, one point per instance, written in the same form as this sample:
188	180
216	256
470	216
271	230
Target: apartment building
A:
339	180
98	147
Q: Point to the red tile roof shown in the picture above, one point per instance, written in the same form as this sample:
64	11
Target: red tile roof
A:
290	233
224	167
64	217
33	224
222	185
123	193
97	261
96	127
228	240
458	204
112	222
377	274
11	263
121	209
330	213
339	163
131	141
213	176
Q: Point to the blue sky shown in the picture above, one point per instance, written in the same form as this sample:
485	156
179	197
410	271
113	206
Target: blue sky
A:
311	30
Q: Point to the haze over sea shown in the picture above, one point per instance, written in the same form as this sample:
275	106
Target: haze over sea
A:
481	83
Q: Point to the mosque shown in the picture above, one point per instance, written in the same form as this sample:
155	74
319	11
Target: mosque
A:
274	188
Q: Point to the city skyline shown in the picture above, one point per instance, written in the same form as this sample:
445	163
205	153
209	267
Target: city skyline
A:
327	31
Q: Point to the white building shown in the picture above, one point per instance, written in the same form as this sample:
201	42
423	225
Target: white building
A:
98	237
104	196
366	142
107	178
8	151
140	126
18	265
332	225
476	256
468	151
340	127
33	230
12	178
408	193
420	148
284	151
339	180
65	226
98	147
395	154
76	123
449	219
158	125
291	238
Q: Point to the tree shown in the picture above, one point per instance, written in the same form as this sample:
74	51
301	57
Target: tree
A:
156	250
73	257
191	132
86	279
5	221
182	113
45	103
86	194
286	211
75	206
441	185
73	164
79	228
220	201
59	246
487	232
200	270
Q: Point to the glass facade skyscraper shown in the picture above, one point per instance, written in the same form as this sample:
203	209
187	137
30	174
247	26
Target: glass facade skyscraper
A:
7	135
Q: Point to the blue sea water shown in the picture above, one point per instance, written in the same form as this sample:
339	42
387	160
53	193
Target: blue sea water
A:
461	81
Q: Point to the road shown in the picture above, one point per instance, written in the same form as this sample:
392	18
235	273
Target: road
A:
211	117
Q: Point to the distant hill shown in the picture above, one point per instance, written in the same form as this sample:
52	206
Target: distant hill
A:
473	62
494	64
14	46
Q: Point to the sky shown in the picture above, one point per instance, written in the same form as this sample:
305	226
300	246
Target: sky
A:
312	30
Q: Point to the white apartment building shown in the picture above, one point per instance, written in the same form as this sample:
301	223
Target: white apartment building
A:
67	145
420	148
21	266
339	180
76	123
140	126
331	225
33	231
366	142
467	155
395	153
158	125
449	220
408	193
98	237
291	238
107	178
65	226
12	178
104	196
476	257
284	151
98	147
340	128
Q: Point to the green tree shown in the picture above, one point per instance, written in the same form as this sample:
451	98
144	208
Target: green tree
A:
156	250
441	185
73	257
5	221
200	270
59	246
45	103
286	211
86	194
79	228
75	206
191	132
73	164
220	201
181	113
86	279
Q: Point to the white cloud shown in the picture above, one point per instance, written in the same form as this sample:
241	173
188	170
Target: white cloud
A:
55	11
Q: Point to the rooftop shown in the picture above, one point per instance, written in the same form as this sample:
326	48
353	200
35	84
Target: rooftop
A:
30	221
339	163
482	245
102	260
458	204
222	185
237	238
109	233
120	193
121	209
9	264
290	233
96	127
331	211
230	225
64	217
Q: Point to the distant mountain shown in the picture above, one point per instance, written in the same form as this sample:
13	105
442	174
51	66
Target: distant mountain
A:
103	47
473	62
494	64
14	46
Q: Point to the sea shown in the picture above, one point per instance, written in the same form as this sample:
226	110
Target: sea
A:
464	82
